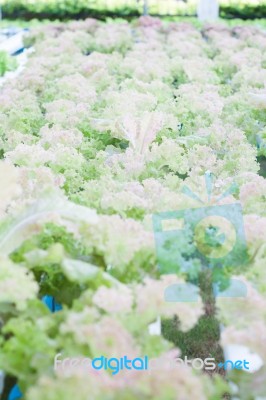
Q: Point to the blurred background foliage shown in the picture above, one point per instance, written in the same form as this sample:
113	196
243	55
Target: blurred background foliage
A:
101	9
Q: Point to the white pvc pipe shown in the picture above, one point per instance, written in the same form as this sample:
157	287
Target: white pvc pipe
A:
2	378
13	44
208	10
145	7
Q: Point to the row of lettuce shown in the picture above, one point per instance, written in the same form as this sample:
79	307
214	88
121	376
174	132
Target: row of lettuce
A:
103	128
67	9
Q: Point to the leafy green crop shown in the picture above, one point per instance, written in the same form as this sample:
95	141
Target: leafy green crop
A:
101	9
7	63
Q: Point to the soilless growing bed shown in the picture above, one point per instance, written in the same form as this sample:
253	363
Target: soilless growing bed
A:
118	142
